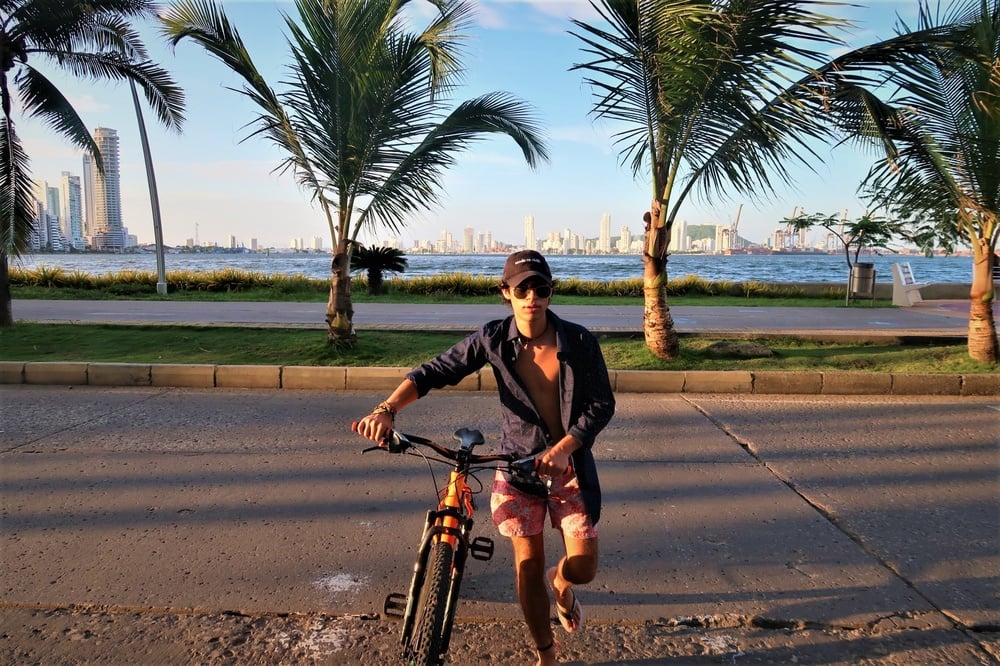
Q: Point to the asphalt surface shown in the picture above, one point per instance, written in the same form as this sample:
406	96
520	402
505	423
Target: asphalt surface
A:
231	526
176	526
930	318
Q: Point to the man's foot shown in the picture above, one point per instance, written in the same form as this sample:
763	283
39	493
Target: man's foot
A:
570	617
547	654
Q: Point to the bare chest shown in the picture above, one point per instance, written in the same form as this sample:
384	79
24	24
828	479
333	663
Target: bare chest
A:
538	368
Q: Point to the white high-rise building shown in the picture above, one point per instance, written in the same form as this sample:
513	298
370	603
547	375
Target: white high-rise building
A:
468	240
604	236
71	206
48	235
530	239
624	241
679	241
103	193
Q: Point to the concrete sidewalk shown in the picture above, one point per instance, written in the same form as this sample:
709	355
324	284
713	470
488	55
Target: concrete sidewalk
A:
933	319
175	526
929	319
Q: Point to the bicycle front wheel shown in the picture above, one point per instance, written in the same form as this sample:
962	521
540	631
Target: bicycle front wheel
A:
429	629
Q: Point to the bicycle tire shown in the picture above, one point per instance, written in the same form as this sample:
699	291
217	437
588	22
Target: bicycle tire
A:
428	630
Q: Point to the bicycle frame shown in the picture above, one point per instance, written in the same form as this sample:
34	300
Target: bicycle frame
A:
450	524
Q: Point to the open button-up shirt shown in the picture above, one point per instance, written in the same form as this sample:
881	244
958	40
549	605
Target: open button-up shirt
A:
586	401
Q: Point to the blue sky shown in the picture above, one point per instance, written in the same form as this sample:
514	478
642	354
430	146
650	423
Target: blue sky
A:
209	178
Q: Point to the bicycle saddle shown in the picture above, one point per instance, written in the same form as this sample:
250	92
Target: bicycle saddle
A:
469	437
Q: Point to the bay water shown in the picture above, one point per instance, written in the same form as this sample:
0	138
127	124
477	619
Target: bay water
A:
807	268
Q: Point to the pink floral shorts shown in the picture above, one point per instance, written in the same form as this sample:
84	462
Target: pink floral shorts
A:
516	513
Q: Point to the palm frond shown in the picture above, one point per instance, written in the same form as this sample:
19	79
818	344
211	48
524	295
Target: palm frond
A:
415	181
41	99
93	40
17	213
706	94
937	122
361	113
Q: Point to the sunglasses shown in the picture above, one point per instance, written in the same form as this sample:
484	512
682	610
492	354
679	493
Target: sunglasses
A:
541	291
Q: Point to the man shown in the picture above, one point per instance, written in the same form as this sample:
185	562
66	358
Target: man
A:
555	397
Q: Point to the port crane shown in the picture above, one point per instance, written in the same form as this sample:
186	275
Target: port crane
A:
731	240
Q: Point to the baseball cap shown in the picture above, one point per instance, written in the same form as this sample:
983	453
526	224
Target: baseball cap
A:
524	264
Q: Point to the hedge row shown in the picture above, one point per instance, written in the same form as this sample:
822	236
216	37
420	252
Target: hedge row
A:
460	284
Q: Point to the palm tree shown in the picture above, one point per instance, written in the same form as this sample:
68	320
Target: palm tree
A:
362	119
93	40
701	95
376	261
871	231
939	130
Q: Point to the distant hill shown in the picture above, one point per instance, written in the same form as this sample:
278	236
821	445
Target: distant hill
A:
707	231
701	231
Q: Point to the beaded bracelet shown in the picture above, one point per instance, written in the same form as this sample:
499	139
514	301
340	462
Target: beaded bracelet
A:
384	408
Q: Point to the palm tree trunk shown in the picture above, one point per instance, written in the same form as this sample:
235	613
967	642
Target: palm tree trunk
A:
983	345
6	307
657	324
375	282
339	309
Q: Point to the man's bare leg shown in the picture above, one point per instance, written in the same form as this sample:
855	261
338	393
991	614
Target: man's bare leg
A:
529	571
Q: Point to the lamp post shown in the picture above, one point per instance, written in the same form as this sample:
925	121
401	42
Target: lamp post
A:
154	199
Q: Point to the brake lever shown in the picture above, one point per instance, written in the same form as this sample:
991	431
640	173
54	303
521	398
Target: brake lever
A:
394	442
524	469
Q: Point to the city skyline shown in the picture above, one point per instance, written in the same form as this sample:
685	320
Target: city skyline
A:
211	178
103	216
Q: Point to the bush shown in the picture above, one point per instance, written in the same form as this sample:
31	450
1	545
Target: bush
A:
231	280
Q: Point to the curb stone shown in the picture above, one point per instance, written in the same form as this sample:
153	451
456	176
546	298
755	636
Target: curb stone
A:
367	379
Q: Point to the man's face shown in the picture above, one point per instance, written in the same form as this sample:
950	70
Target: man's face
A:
530	299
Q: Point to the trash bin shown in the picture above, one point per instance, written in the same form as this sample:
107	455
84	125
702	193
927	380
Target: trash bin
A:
862	282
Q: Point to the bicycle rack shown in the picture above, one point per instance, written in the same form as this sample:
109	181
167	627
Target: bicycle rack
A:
481	548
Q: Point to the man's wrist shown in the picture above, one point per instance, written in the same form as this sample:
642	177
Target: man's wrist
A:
385	407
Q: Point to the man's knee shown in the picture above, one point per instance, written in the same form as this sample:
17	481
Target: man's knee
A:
530	566
580	569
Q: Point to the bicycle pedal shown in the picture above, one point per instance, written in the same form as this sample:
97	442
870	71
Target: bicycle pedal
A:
395	605
481	548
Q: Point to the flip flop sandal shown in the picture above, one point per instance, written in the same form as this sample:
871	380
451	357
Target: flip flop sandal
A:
571	620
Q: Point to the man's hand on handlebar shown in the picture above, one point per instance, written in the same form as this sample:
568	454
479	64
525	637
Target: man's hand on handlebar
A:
376	427
552	462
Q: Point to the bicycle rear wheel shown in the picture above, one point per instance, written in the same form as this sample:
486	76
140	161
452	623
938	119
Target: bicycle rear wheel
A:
428	629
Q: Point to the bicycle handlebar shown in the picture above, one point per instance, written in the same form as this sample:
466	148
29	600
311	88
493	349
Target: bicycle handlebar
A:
398	442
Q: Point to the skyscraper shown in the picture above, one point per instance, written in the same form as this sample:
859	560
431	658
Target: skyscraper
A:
530	240
604	237
103	192
71	208
47	235
679	241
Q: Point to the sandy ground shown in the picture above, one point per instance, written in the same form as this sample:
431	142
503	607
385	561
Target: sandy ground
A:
135	636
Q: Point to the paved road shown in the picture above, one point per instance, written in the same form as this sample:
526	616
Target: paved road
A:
235	526
932	318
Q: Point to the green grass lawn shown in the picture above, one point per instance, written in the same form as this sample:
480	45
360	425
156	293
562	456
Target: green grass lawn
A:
361	296
298	346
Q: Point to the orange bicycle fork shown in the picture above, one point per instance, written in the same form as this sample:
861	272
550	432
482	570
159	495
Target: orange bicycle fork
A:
450	523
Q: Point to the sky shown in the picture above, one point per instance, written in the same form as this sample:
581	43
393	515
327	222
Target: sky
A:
213	182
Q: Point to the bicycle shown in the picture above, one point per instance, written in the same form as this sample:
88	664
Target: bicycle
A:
428	609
